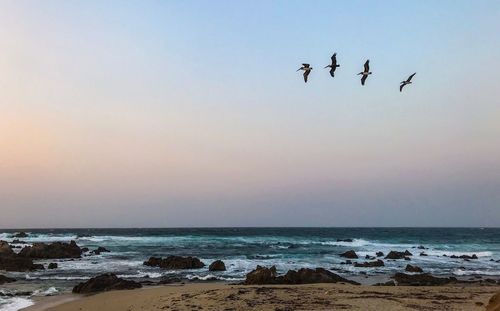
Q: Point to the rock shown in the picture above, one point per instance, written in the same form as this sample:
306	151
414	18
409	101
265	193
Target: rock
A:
369	257
349	254
416	269
398	255
53	250
310	276
104	282
424	279
407	258
345	240
422	247
18	264
379	254
423	254
4	279
17	241
465	257
6	249
217	265
494	303
170	280
388	283
175	262
20	235
52	265
347	262
85	249
368	264
262	275
100	250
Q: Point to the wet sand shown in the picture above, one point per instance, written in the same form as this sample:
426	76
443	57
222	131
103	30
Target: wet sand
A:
279	297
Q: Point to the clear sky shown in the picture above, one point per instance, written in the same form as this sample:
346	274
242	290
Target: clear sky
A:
190	113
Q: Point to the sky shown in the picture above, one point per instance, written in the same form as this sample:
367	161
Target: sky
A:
191	113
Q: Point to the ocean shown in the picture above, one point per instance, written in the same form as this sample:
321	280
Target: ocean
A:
242	249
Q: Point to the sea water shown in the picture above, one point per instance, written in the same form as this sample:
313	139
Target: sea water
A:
242	249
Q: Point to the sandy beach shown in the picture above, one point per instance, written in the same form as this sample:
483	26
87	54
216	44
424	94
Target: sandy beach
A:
279	297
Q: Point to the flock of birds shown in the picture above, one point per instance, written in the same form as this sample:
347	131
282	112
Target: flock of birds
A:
364	74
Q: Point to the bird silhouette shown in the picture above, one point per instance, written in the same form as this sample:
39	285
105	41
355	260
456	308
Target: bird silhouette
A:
408	81
334	65
365	72
307	70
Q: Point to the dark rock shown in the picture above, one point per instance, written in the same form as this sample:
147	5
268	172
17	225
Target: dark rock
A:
4	279
217	265
347	262
416	269
175	262
349	254
422	247
104	282
85	249
100	250
397	255
423	254
368	264
53	250
170	280
17	241
424	279
52	265
465	257
407	258
369	257
6	249
388	283
345	240
20	235
19	264
380	254
262	275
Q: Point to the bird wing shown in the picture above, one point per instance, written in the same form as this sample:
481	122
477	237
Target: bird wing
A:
306	73
334	59
367	65
363	79
306	65
401	87
409	78
332	71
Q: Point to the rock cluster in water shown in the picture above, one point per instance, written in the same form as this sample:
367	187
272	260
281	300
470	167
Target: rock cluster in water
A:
175	262
263	275
105	282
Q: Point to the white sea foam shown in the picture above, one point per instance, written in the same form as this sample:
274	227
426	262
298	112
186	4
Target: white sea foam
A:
48	292
461	272
14	303
457	253
211	277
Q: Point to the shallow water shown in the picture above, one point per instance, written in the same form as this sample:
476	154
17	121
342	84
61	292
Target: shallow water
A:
244	248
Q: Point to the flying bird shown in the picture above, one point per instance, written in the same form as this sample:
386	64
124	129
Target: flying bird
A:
365	72
334	65
408	81
307	70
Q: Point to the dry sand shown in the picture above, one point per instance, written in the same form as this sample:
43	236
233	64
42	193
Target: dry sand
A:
280	297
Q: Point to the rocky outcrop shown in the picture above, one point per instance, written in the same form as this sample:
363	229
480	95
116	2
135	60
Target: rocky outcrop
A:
217	265
349	254
175	262
100	250
20	235
5	249
105	282
398	255
18	264
423	254
262	275
379	254
424	279
52	265
53	250
4	279
415	269
466	257
494	303
388	283
369	264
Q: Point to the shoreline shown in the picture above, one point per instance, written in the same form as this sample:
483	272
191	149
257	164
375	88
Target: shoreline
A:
324	296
